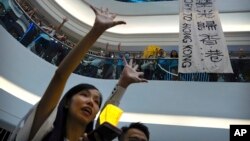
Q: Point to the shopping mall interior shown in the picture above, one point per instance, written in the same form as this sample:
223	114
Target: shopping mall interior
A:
174	106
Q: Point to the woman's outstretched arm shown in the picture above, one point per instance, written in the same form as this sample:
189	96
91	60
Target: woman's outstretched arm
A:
104	20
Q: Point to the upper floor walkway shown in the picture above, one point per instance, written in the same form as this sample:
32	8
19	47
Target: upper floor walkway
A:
107	65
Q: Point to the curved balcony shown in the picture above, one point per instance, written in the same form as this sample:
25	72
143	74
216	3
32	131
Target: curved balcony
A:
109	65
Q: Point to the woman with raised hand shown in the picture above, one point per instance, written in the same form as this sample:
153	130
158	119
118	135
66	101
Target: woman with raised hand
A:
71	118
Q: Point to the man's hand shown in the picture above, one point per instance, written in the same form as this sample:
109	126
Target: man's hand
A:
130	75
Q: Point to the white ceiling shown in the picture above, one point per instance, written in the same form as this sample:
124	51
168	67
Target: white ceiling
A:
147	23
156	17
164	7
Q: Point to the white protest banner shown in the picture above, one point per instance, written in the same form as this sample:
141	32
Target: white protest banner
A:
202	46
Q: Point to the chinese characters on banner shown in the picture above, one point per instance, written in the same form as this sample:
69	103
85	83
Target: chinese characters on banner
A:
202	46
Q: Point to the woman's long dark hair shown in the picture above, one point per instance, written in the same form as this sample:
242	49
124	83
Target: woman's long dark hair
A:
58	132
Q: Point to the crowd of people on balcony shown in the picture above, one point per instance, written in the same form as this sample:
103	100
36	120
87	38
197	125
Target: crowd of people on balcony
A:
50	43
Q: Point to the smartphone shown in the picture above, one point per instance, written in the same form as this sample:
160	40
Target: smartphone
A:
105	131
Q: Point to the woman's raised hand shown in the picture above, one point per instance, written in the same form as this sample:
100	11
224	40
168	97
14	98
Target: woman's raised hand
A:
105	19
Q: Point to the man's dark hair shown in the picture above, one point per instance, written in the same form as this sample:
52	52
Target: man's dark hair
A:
136	125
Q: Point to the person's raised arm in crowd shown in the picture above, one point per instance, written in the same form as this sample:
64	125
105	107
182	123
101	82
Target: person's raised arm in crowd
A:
59	27
52	30
79	105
